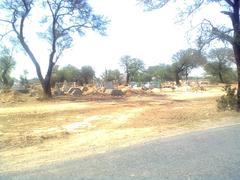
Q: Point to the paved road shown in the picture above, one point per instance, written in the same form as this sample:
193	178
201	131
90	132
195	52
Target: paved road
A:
211	154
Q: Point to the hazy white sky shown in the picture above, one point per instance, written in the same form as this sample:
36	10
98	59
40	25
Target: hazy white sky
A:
151	36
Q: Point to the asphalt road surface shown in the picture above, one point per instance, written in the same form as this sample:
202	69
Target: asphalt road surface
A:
211	154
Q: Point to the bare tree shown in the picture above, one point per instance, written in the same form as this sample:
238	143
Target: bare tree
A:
210	32
62	18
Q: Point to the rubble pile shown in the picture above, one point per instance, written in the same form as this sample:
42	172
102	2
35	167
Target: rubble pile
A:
108	89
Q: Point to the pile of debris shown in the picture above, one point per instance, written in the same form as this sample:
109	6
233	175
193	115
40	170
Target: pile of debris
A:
109	89
12	97
35	90
92	90
128	91
88	91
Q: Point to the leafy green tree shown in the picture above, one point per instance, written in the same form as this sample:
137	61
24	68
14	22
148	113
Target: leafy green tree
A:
59	20
208	31
87	74
55	76
161	72
220	72
184	61
23	79
67	73
71	73
219	67
144	77
7	64
132	67
112	75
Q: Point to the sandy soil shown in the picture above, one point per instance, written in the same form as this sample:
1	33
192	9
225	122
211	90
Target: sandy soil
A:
36	133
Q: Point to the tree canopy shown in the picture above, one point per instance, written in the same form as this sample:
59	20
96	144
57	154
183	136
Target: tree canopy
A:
87	74
112	75
70	73
219	65
131	66
7	64
186	60
160	72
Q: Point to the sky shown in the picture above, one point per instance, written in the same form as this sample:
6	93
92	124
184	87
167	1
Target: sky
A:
150	36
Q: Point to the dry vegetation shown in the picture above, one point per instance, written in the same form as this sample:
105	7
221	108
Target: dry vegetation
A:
33	133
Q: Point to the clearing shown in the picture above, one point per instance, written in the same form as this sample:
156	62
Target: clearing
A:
36	133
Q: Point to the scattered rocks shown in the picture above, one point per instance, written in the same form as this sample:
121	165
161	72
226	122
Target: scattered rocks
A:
70	90
65	87
58	92
116	92
108	91
84	88
76	92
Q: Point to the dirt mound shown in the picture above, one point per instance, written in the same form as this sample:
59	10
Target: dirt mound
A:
76	92
13	97
91	90
114	92
36	91
155	91
94	91
128	91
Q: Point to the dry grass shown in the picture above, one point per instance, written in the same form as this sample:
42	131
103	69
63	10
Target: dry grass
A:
36	133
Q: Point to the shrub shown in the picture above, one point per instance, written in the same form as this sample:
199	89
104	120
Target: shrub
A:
229	100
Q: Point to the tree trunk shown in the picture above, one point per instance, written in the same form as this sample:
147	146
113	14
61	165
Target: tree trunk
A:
85	80
220	77
127	78
46	84
236	49
238	87
177	79
4	77
186	76
47	93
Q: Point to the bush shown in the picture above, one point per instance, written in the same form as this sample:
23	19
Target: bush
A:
229	100
23	79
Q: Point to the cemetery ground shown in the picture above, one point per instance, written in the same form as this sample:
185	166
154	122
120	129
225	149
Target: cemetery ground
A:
34	133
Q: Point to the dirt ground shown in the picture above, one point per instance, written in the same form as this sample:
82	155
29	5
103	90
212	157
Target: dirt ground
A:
34	133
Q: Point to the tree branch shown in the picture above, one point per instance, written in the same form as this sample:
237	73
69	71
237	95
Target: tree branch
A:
75	26
6	21
216	33
5	34
20	35
230	2
230	14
